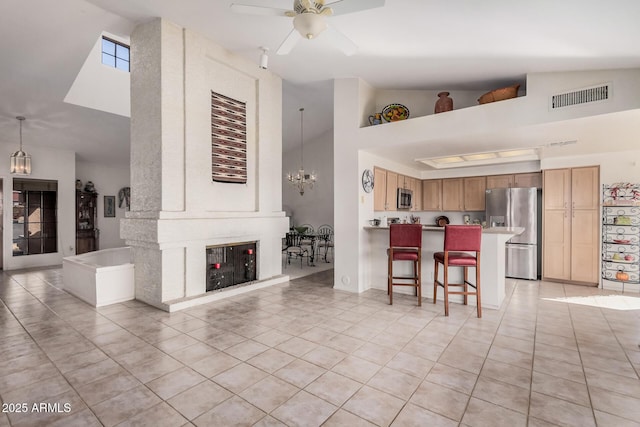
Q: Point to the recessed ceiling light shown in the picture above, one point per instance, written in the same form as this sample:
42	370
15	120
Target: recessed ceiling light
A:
482	159
452	159
479	156
516	153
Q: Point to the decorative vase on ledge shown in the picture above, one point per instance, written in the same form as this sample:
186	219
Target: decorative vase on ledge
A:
444	103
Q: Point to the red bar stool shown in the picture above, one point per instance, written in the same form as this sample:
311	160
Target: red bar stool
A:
458	240
405	244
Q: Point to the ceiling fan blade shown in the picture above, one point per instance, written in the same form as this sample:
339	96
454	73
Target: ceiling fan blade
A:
342	7
342	42
258	10
288	43
326	11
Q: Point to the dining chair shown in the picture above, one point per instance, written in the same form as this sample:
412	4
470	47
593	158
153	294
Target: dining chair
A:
461	249
405	244
325	239
295	249
307	241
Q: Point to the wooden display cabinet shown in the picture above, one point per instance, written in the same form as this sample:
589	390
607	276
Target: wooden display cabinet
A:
87	233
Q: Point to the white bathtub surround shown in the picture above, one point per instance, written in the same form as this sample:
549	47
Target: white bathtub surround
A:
492	263
176	208
101	277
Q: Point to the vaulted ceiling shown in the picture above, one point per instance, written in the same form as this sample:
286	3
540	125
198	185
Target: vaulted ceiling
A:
421	44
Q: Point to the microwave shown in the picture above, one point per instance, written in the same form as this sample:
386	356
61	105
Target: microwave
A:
404	198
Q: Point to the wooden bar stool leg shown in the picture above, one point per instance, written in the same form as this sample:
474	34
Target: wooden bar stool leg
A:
466	286
418	269
446	289
478	288
435	281
390	278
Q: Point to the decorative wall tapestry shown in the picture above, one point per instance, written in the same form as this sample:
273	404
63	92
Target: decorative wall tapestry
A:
228	139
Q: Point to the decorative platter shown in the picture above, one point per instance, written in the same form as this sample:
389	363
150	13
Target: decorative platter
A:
441	221
621	241
395	112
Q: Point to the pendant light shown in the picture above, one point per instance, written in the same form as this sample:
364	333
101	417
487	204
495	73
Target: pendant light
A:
20	161
301	179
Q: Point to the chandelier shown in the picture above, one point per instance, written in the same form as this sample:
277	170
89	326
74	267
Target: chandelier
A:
20	161
301	179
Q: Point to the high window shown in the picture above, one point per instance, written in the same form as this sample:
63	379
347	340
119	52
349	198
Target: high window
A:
115	54
35	223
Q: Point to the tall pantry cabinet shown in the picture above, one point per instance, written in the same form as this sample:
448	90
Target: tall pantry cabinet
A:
571	221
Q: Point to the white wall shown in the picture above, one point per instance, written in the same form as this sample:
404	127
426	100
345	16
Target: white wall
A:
108	181
55	165
315	207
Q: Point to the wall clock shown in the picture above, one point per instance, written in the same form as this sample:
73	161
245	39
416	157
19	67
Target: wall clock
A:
367	180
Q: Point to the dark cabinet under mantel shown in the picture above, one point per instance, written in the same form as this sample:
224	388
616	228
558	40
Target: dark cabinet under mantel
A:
87	233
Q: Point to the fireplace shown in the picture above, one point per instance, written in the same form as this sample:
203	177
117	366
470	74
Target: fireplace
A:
231	264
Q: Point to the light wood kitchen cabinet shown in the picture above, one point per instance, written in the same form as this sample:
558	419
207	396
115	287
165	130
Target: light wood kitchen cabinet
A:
432	195
392	191
571	223
518	180
527	180
452	194
379	189
474	193
417	194
500	181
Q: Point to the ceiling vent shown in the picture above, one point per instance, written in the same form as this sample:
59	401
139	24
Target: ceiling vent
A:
581	96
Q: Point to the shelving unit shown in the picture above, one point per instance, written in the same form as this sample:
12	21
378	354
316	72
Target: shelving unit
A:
621	233
87	235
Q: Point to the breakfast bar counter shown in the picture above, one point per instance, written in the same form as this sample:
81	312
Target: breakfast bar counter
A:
492	262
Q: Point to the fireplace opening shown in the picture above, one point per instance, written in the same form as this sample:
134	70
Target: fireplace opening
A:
231	264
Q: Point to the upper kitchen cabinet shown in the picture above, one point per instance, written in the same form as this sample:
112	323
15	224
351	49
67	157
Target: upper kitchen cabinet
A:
385	190
474	193
452	194
432	195
416	187
519	180
571	224
527	180
500	181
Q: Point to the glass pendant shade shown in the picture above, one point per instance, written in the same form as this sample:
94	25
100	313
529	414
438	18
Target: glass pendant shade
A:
20	161
309	25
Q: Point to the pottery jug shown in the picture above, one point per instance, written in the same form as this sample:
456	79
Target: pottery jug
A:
376	119
444	103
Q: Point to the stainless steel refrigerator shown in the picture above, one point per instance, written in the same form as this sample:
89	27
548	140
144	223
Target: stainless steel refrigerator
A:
518	207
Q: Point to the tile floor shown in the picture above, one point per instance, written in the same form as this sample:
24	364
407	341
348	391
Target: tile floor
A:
303	354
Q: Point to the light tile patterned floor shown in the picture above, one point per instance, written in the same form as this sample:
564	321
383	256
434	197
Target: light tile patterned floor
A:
302	353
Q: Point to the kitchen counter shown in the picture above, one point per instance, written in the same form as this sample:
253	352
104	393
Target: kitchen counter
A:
514	231
492	262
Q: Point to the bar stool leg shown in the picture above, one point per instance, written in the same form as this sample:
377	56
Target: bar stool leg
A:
478	287
446	289
466	286
390	278
435	281
417	266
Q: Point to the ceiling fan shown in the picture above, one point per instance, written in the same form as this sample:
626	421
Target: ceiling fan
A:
309	19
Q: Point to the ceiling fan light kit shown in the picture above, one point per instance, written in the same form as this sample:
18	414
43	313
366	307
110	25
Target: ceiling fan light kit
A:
309	19
309	25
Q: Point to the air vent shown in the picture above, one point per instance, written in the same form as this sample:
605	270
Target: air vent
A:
581	96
